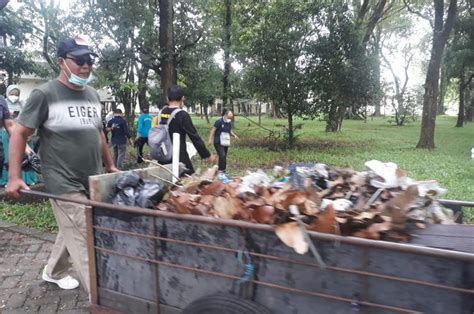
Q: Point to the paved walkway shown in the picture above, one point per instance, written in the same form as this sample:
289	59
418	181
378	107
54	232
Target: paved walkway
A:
23	254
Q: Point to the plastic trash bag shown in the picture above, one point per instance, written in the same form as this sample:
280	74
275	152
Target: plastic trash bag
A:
258	178
316	173
127	179
131	190
125	196
149	193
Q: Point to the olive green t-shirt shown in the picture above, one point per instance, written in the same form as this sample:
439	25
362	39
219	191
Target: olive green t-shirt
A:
69	126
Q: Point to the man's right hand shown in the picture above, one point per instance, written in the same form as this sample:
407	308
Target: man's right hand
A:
212	159
14	186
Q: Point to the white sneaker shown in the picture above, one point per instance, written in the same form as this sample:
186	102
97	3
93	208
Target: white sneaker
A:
66	283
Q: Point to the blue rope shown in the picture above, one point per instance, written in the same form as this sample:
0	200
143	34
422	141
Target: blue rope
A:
248	266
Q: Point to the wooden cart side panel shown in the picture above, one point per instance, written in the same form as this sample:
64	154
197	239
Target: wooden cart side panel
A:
124	275
101	186
180	287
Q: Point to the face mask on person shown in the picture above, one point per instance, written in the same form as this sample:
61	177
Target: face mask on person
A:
77	80
13	98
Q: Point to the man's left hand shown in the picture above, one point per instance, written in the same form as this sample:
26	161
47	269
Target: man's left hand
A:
112	169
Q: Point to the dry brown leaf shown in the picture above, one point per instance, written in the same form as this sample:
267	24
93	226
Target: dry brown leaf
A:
397	208
222	207
163	206
232	188
210	174
263	214
366	215
380	227
421	225
255	203
367	235
326	221
310	208
181	201
200	209
215	188
278	198
291	234
341	220
294	198
313	195
237	209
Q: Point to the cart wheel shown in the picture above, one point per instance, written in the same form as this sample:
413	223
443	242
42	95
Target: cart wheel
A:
224	304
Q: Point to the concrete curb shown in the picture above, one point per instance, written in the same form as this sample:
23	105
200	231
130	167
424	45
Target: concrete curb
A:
45	236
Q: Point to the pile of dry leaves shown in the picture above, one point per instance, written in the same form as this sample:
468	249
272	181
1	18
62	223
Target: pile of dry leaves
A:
375	204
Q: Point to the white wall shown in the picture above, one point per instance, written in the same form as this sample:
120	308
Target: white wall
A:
27	85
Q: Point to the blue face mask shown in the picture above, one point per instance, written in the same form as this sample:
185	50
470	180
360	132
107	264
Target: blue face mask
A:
77	80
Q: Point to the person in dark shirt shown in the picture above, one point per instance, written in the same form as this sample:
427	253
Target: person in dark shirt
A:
183	125
221	133
118	126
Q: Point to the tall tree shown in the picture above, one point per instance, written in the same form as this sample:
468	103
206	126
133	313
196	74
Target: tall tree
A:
460	68
167	47
272	41
441	30
226	45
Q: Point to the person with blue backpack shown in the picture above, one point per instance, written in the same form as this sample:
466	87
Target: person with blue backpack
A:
143	127
173	119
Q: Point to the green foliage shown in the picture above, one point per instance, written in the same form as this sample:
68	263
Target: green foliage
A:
361	141
341	73
450	163
35	215
14	59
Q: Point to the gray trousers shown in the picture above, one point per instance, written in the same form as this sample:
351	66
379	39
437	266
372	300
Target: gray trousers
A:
119	155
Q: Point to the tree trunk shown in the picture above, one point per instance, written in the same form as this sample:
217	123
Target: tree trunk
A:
142	88
440	36
442	90
332	123
259	104
462	112
470	105
206	115
377	98
168	57
226	47
291	132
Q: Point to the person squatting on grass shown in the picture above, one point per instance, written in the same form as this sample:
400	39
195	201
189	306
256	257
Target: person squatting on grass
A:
67	114
221	133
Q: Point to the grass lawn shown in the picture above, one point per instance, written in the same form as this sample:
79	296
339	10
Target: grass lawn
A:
450	163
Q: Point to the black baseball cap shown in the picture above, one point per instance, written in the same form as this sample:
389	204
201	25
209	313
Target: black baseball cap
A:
76	47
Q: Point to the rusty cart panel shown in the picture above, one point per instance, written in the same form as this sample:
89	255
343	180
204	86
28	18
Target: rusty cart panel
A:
148	261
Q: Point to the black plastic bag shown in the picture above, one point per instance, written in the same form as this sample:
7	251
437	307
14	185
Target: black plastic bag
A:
127	179
150	193
125	197
131	190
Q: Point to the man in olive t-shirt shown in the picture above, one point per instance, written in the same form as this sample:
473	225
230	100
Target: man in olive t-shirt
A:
66	113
